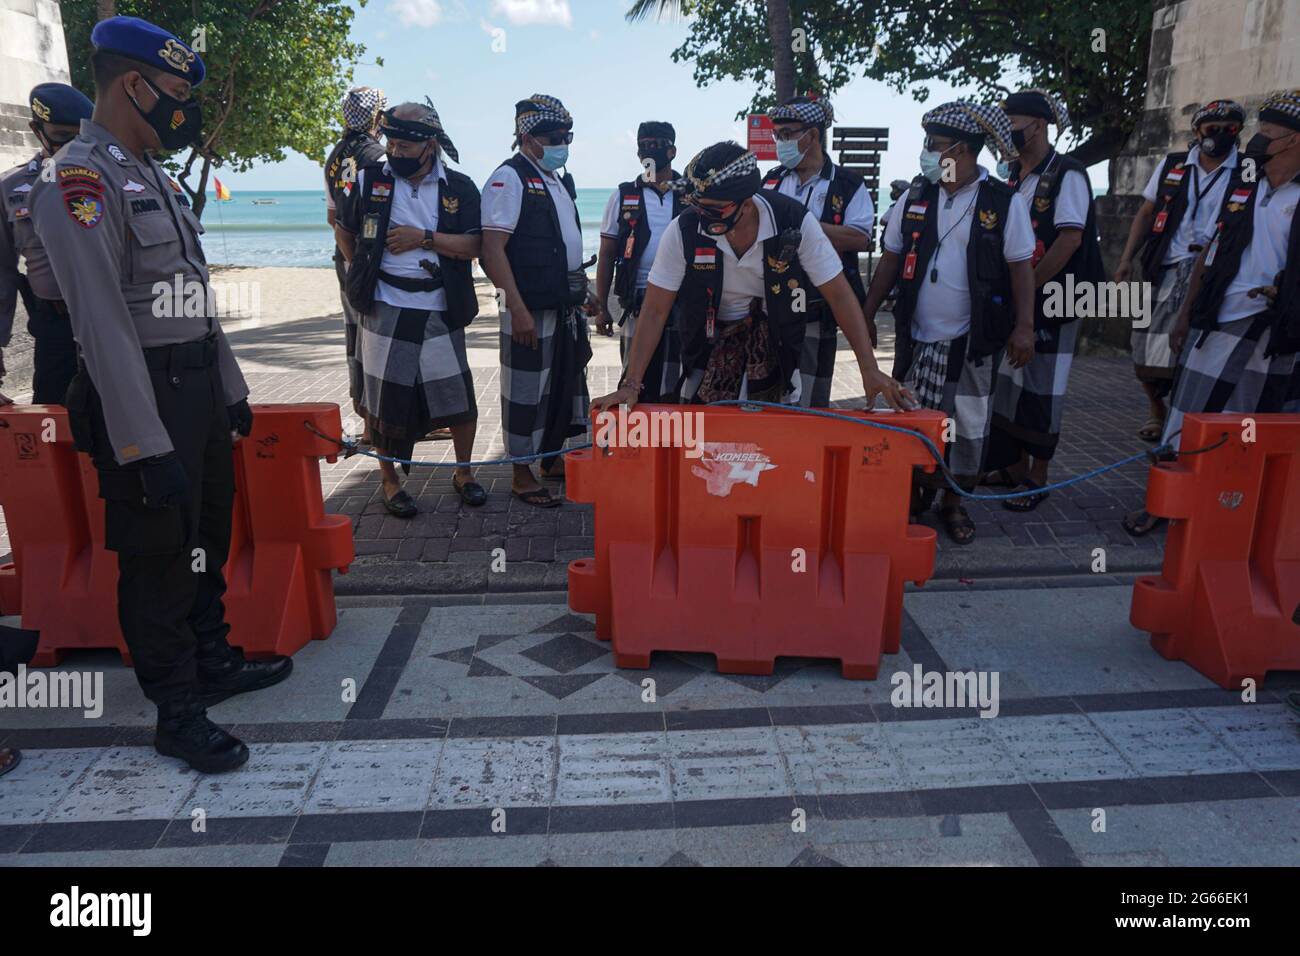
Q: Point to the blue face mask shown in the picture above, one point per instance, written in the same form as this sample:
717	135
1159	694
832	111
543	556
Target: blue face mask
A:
1004	169
931	164
553	157
789	154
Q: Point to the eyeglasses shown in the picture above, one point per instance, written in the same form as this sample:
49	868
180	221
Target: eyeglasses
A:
787	134
938	145
558	138
715	212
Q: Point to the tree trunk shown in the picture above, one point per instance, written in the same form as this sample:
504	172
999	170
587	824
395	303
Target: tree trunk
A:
201	197
105	9
1104	144
778	29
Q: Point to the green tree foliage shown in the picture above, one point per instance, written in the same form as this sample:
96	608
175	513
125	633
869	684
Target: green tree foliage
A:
994	46
277	70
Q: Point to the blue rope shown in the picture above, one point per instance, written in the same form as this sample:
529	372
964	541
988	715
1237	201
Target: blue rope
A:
352	448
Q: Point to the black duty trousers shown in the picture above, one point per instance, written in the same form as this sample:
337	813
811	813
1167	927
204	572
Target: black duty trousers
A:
170	560
54	359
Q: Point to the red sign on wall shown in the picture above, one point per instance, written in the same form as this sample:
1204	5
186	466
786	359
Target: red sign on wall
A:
760	141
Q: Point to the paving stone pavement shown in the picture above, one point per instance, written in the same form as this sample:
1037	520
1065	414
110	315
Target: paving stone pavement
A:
503	734
448	547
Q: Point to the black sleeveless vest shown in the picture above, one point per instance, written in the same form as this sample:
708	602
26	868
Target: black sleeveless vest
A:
1232	234
458	199
1086	264
1171	200
843	186
535	250
354	152
632	225
700	294
992	314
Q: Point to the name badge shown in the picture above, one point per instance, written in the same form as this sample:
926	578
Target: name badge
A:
370	226
1161	218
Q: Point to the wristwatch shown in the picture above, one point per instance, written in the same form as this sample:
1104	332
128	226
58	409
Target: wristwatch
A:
427	241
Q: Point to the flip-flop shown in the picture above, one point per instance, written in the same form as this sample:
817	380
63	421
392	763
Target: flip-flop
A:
401	505
538	498
955	520
1151	430
471	492
1027	502
1141	523
16	757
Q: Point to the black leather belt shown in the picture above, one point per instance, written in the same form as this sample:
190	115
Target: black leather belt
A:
408	284
200	353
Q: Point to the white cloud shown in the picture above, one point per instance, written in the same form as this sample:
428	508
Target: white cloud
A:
417	13
534	12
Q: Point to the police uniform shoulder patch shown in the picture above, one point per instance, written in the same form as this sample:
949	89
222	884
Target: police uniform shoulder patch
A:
116	152
83	195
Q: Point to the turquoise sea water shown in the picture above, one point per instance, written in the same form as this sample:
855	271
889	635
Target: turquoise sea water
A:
293	231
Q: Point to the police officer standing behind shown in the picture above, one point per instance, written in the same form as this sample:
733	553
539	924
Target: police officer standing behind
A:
159	396
57	111
841	202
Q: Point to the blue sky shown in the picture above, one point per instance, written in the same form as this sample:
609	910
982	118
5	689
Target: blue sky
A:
610	74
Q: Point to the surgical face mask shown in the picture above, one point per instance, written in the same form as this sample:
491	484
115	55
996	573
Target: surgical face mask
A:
1218	143
1257	148
932	164
553	157
176	122
789	154
1004	169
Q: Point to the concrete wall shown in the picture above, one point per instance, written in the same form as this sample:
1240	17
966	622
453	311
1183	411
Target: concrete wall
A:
31	51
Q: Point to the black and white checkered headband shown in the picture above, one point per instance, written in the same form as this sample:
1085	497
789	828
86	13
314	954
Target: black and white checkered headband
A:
545	109
1223	110
361	105
976	119
699	183
1060	115
428	126
804	110
1282	107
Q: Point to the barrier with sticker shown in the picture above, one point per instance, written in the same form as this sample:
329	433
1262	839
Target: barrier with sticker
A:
786	536
1229	592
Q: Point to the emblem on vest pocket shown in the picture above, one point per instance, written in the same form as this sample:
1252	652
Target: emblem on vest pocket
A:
777	265
450	205
1042	205
988	218
370	226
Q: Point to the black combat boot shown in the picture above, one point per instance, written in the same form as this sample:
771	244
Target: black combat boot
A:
234	675
184	731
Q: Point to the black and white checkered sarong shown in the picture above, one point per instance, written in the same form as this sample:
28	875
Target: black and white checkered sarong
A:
817	360
1029	402
941	378
1154	359
526	385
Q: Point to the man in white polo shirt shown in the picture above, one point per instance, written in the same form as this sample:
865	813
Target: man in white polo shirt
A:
841	202
742	262
1240	324
959	246
1174	223
532	252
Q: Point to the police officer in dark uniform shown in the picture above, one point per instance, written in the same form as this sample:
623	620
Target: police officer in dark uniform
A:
57	112
159	397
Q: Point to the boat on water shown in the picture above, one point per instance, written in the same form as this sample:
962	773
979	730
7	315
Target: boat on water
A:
266	202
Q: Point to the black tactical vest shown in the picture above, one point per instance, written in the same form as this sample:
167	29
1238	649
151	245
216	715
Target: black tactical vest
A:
700	295
458	200
992	313
844	185
1171	200
1086	264
354	152
535	250
633	237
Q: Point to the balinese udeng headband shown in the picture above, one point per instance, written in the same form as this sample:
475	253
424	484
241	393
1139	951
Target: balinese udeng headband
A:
1038	103
736	180
540	113
803	109
418	130
973	123
1283	108
1229	111
361	106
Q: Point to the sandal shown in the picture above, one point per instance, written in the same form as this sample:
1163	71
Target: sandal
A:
1141	523
471	492
10	757
1027	503
1001	478
401	505
538	498
958	524
1152	429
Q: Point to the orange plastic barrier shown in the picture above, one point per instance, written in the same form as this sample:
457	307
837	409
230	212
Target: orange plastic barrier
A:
64	584
1225	598
787	536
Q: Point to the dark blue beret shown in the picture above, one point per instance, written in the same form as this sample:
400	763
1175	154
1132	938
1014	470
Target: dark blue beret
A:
141	40
60	104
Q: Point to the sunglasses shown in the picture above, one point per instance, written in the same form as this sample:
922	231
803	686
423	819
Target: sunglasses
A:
558	138
786	134
1215	129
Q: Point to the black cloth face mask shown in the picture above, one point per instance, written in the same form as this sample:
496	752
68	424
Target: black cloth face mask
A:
717	225
176	122
405	166
1219	143
658	156
1257	148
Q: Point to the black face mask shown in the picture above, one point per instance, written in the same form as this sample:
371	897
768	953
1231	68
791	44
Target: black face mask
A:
716	225
1018	139
1219	143
406	166
658	156
177	122
1257	148
52	145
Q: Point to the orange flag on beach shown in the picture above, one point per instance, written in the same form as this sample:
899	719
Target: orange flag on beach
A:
223	194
